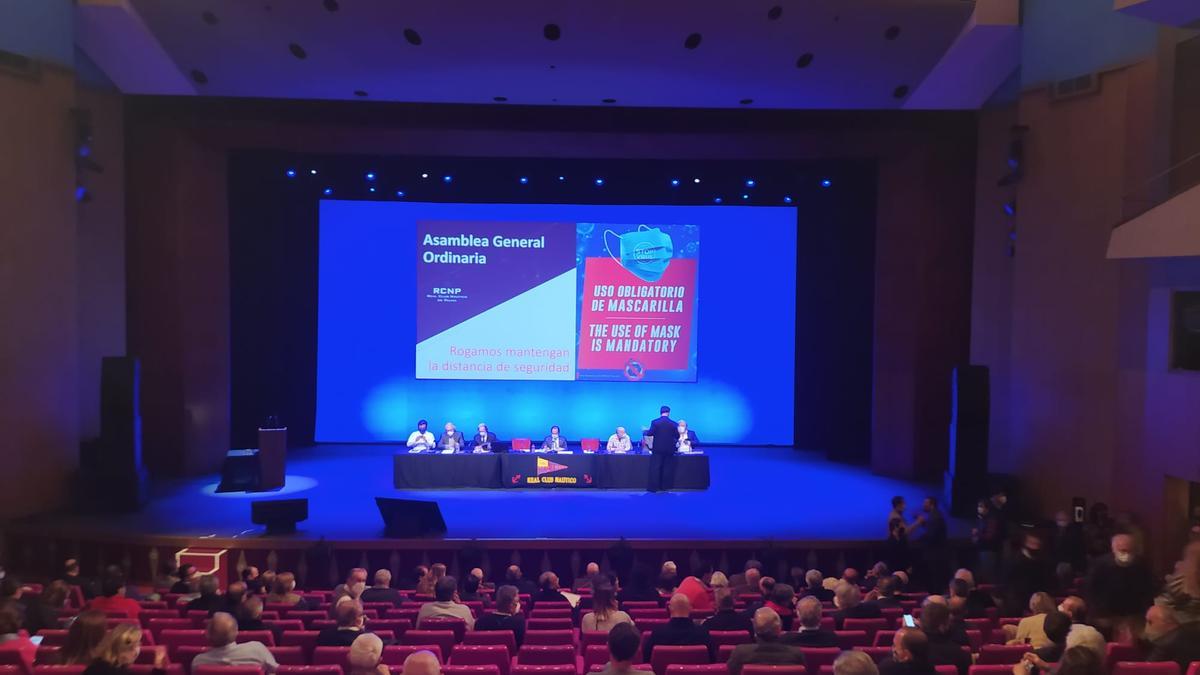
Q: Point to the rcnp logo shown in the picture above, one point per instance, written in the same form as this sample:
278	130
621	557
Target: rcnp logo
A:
441	290
545	466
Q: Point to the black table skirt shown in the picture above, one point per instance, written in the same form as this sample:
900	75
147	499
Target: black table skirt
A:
620	472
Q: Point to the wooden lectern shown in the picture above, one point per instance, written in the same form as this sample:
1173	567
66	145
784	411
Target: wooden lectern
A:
272	457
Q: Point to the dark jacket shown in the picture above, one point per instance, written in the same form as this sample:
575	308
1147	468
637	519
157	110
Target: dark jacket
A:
382	595
334	637
105	668
1113	590
891	666
944	651
810	638
773	653
494	621
1181	645
665	433
819	592
865	610
487	443
209	603
679	631
729	619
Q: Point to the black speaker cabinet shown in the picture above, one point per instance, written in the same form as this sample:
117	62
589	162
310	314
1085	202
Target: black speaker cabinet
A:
407	518
279	515
966	478
112	477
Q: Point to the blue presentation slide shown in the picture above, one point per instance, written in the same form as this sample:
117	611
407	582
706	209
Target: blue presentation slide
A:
472	313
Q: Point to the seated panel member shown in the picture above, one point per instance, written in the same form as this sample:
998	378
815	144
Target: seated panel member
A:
554	442
619	442
452	440
484	439
421	440
687	438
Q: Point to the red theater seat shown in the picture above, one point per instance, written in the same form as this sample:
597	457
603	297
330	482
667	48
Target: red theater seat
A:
815	657
594	654
521	444
456	626
444	639
307	616
871	626
764	669
723	651
645	667
148	615
46	655
308	670
481	655
975	639
305	639
292	656
697	669
593	637
1001	654
877	654
52	637
183	656
665	655
1114	652
157	626
550	637
546	655
148	669
1139	668
530	669
543	624
884	638
731	637
395	654
849	639
58	670
332	656
550	613
991	670
264	636
492	637
640	604
227	670
174	639
470	670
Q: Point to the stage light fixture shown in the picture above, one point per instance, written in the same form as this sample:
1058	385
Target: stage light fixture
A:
599	182
1010	208
717	200
447	178
562	178
825	182
696	181
424	175
82	195
787	199
400	193
371	189
327	191
751	182
312	172
524	180
745	196
370	175
290	173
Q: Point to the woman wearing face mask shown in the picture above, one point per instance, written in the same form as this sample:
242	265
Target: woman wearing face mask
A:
118	651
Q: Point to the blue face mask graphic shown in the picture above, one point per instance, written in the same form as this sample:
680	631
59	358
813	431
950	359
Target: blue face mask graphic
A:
645	252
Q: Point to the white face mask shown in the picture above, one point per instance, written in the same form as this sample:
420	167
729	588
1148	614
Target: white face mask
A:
1123	558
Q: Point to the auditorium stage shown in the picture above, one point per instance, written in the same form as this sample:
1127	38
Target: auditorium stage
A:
756	494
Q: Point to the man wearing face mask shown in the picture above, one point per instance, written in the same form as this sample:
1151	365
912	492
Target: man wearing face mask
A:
663	436
1030	571
1119	588
1169	640
1069	547
687	438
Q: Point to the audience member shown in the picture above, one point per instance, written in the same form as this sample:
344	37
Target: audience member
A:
446	605
547	590
679	630
283	591
41	611
727	618
513	577
718	580
253	580
910	654
1056	626
71	574
604	614
382	590
668	578
810	633
11	639
428	583
942	650
410	582
250	616
854	662
978	602
112	600
225	650
782	599
1088	637
1029	572
210	599
1182	592
366	656
506	615
751	579
1068	544
189	578
1119	588
640	587
423	662
1169	640
1074	607
1031	629
886	592
697	593
119	649
83	639
848	601
589	578
988	537
350	621
623	643
356	576
813	586
767	648
470	590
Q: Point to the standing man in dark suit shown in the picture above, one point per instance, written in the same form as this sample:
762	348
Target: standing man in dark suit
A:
664	435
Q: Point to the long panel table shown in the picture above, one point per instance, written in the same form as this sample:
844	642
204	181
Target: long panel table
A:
541	471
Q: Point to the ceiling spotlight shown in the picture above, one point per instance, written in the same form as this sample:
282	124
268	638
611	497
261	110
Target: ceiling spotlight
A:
371	189
717	200
400	193
424	175
1010	208
562	178
312	172
674	182
787	199
599	182
696	181
524	180
447	178
290	173
825	182
82	195
370	175
327	191
750	182
745	196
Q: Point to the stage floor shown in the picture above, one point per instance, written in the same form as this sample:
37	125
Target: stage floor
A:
779	494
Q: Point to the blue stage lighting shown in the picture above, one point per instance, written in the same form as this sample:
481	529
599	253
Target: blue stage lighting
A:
717	200
290	173
599	182
447	178
562	177
787	200
745	196
81	194
674	182
696	181
371	189
328	191
1010	208
825	182
751	182
424	175
524	180
370	175
400	193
